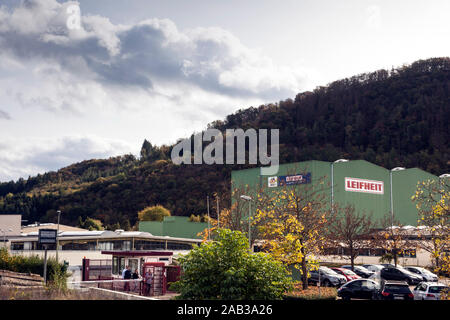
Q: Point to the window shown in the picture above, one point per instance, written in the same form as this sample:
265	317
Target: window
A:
17	246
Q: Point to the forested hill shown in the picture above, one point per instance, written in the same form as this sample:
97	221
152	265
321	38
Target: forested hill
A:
397	117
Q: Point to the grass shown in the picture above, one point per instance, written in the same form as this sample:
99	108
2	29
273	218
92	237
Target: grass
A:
312	293
14	293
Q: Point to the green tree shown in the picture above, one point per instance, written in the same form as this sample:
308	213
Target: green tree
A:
224	269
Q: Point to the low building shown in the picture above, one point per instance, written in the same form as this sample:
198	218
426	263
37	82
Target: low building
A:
76	245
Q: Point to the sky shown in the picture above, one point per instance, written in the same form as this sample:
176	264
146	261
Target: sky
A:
92	79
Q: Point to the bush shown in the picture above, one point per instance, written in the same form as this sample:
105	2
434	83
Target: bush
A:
33	264
224	269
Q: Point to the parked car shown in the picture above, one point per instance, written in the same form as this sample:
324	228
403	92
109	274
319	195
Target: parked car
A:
400	274
373	267
359	289
394	290
429	291
348	274
328	277
360	271
424	273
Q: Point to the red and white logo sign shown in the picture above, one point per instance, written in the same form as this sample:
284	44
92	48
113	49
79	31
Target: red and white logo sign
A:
363	185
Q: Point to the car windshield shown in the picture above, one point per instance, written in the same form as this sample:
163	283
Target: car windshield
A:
361	269
395	288
405	270
437	289
328	271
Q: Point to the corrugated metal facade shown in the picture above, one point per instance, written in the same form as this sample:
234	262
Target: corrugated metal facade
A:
362	184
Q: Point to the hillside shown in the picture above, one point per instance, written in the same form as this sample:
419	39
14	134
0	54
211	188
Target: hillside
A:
397	117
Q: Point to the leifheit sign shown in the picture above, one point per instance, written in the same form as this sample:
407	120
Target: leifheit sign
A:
364	185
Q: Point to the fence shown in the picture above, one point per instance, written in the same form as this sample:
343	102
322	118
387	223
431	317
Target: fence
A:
97	269
126	286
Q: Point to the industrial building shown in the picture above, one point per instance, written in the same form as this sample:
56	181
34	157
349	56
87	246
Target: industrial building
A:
368	187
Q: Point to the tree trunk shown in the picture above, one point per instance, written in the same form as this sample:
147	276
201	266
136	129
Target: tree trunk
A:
304	272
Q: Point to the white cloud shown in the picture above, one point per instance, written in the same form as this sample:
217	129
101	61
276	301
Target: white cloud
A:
151	51
149	79
23	157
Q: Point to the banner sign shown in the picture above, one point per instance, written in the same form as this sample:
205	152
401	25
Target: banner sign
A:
289	180
363	185
47	236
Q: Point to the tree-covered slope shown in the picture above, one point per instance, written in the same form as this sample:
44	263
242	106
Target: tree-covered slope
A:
392	118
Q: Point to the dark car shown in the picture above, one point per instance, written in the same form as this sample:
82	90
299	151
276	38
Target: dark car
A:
400	274
394	290
359	289
360	271
328	277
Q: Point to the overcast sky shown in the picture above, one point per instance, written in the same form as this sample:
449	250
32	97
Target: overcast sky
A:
161	70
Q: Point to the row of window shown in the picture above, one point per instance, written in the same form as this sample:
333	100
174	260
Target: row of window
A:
369	252
91	245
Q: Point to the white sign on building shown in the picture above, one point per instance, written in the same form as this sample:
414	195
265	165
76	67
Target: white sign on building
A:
364	185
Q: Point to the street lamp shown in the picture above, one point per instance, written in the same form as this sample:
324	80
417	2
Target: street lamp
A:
57	236
249	199
332	181
392	199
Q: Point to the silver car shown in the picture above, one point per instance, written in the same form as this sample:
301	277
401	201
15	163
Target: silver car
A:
424	273
429	291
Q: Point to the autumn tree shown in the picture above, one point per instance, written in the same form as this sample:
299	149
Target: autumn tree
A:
153	213
293	225
432	201
351	230
242	212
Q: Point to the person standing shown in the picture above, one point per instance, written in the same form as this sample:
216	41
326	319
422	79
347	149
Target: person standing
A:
127	276
135	277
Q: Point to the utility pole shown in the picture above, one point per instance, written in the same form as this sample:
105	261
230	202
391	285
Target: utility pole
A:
209	230
218	212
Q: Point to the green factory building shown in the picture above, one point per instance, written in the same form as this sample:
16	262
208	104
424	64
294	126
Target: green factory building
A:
366	186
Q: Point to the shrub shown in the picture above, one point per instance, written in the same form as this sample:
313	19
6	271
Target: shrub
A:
224	269
32	264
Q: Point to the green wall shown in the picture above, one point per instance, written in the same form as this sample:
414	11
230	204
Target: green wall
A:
178	227
404	185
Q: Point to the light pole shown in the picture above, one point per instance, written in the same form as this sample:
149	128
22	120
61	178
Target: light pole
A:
390	187
57	236
332	181
441	177
249	199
